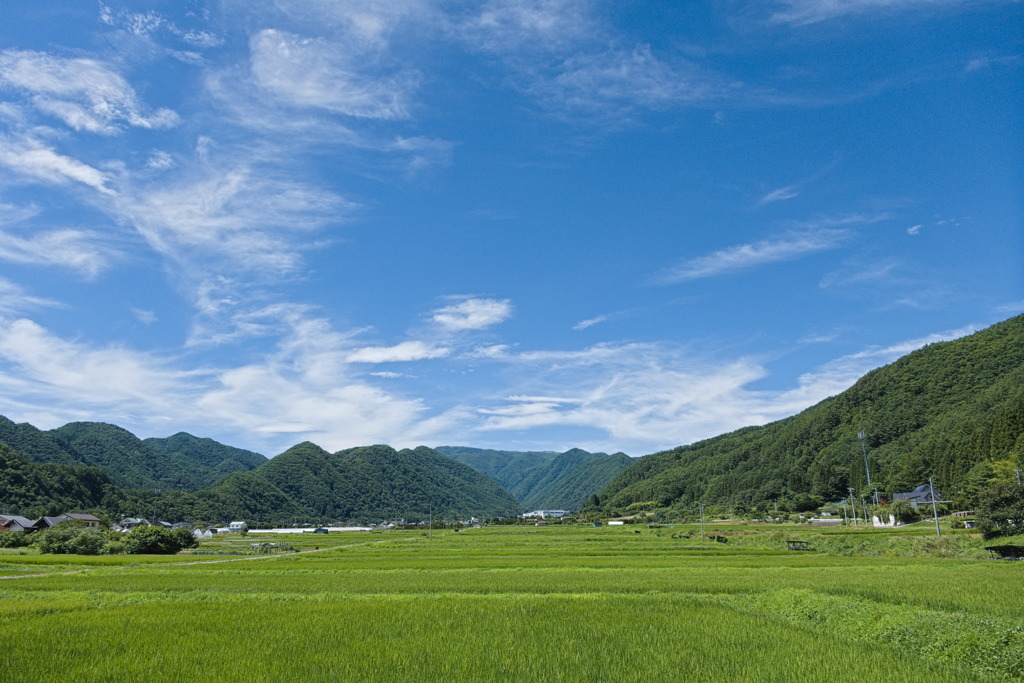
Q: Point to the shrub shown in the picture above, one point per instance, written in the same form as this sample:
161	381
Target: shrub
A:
13	539
185	538
904	512
155	540
69	539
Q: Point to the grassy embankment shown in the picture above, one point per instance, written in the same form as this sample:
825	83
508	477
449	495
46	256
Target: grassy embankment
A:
520	603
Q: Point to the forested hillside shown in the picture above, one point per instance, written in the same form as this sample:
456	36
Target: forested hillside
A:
181	462
303	484
211	459
951	410
358	485
33	489
508	468
544	479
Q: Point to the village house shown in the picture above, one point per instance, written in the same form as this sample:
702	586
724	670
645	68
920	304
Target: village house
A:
922	495
16	523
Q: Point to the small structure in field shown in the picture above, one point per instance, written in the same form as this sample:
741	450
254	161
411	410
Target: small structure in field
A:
798	545
1006	552
237	527
616	522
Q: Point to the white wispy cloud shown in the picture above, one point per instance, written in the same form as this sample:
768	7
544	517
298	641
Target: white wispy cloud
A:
590	322
14	299
85	94
78	250
311	72
860	272
242	216
1013	307
50	369
473	314
39	161
614	82
406	351
781	194
631	394
145	316
791	246
515	26
805	12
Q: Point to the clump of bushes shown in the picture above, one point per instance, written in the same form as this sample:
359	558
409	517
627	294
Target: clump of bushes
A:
76	539
13	539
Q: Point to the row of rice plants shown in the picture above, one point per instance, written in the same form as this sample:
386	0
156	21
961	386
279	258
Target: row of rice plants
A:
587	637
645	584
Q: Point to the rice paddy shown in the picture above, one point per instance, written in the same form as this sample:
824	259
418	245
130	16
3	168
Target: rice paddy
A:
560	603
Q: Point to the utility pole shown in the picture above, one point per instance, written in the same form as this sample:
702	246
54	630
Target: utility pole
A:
1017	472
864	450
702	521
853	506
864	506
935	510
430	524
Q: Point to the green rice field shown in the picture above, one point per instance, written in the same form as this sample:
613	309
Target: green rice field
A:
557	603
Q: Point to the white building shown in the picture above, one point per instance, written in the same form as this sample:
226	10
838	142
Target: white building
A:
544	514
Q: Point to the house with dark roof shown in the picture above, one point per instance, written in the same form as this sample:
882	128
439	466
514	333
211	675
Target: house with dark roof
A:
47	522
16	523
86	519
923	494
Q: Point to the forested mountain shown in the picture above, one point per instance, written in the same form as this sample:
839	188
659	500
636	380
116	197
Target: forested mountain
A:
377	482
572	478
181	462
952	410
544	479
212	457
34	489
508	468
358	485
303	484
36	445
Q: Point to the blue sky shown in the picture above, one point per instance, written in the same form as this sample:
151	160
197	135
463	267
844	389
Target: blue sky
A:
523	224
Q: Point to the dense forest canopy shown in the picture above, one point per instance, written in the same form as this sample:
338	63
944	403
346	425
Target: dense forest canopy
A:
544	479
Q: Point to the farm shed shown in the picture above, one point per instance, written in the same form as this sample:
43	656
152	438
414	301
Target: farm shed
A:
1006	552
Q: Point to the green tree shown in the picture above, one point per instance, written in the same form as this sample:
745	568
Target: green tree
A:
904	512
69	539
13	539
1000	510
153	540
